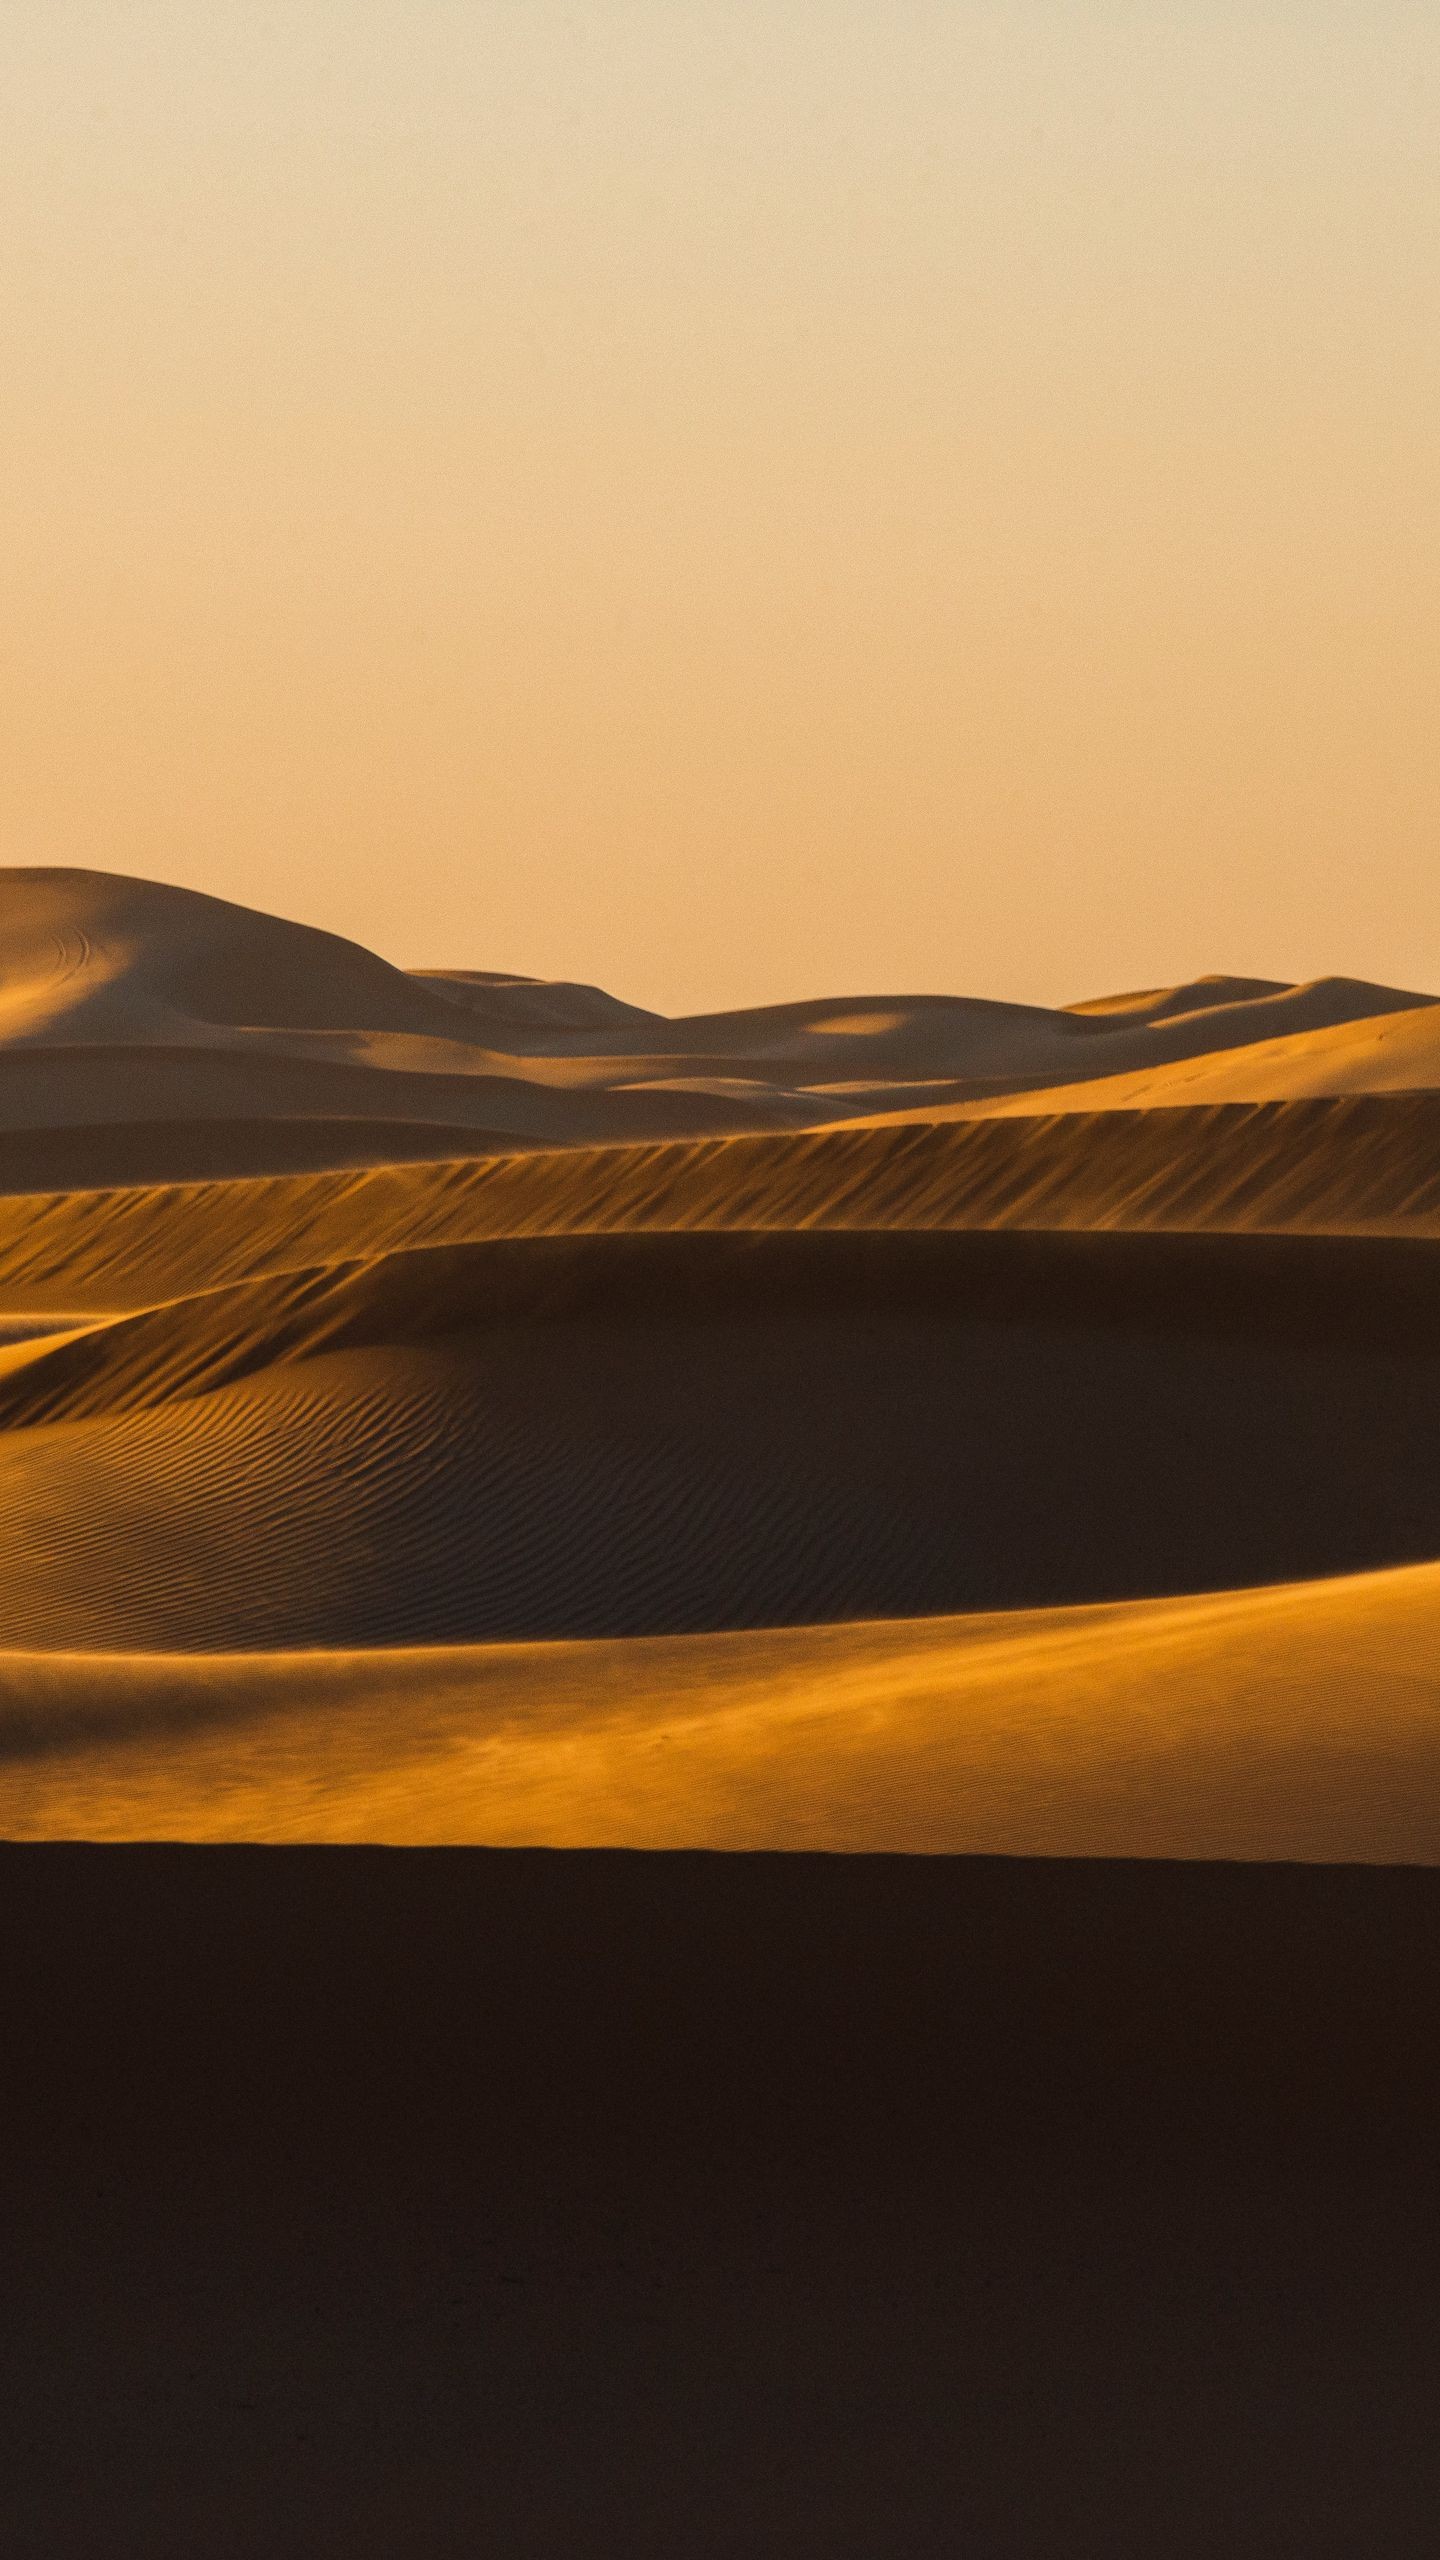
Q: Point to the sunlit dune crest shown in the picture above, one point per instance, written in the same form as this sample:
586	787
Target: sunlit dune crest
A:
441	1405
1288	1722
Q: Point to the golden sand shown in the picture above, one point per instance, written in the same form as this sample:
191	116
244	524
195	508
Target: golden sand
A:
882	1423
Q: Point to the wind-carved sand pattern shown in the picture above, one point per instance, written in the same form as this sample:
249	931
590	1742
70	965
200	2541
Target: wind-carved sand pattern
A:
447	1407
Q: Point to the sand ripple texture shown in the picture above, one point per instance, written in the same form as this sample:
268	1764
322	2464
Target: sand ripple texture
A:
440	1406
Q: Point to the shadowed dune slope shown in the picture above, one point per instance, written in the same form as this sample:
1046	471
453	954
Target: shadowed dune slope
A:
245	1079
638	1435
1367	1165
195	1149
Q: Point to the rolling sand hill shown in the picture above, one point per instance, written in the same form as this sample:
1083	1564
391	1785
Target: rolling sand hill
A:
444	1410
444	1406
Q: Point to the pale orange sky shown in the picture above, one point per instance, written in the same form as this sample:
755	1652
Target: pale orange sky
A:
734	501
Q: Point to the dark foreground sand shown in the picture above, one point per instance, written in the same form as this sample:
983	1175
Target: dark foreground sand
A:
375	2202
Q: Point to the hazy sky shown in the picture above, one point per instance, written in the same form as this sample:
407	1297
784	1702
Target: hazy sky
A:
734	500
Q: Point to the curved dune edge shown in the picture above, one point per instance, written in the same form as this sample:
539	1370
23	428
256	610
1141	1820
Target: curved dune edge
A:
1300	1721
1342	1291
1363	1166
630	1436
1381	1053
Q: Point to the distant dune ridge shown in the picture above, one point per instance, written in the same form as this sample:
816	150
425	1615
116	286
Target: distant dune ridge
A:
444	1405
125	1000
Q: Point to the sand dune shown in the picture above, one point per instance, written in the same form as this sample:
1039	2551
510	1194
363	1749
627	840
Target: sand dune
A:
126	1001
1379	1053
440	1404
1364	1167
1342	1297
1294	1722
643	1435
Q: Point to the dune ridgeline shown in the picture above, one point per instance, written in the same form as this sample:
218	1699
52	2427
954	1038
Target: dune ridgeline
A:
439	1406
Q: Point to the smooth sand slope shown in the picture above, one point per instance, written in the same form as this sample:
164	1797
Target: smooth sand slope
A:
440	1406
1295	1722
